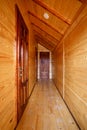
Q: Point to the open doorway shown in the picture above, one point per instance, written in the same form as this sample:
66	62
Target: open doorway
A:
44	68
44	65
22	64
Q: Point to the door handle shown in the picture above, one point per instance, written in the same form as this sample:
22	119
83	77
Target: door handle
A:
20	74
25	83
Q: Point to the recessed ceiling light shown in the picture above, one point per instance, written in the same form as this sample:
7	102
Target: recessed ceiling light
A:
46	16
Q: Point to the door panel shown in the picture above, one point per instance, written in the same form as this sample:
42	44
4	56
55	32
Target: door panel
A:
22	65
44	65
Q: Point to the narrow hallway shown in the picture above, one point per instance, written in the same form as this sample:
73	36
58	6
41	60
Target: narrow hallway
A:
43	39
46	110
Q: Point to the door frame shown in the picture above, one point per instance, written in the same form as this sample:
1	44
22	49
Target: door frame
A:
17	63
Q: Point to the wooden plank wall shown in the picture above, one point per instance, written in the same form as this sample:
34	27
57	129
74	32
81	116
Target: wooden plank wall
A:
75	64
8	88
32	63
58	70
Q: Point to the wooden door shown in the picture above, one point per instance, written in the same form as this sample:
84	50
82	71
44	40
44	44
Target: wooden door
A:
44	65
22	65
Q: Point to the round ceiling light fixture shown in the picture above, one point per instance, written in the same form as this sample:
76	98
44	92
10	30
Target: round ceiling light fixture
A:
46	16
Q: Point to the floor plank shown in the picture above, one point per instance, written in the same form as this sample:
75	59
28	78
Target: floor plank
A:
46	110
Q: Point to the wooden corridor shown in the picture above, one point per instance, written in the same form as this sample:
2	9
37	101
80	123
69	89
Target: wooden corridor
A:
46	110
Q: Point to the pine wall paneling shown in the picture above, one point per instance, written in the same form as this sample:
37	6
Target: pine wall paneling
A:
58	68
8	87
74	69
75	72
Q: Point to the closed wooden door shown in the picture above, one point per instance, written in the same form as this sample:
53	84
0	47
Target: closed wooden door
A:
44	65
22	65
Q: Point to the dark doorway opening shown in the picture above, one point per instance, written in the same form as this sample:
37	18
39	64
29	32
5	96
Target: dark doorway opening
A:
44	65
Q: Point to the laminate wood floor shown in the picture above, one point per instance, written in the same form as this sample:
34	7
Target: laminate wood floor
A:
46	110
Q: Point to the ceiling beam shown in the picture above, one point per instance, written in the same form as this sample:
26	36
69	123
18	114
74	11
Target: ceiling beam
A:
79	16
78	12
43	43
58	15
44	31
50	42
83	1
46	46
34	15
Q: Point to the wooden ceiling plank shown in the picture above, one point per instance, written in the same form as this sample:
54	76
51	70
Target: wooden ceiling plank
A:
76	20
45	41
45	6
50	39
42	39
44	31
83	1
46	45
50	42
44	22
78	12
46	28
51	49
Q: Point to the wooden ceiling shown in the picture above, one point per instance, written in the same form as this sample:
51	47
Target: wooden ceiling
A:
62	13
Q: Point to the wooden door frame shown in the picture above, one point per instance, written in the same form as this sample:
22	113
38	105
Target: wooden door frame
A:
17	61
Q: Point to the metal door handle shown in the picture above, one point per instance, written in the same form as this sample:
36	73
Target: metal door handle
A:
25	82
21	74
